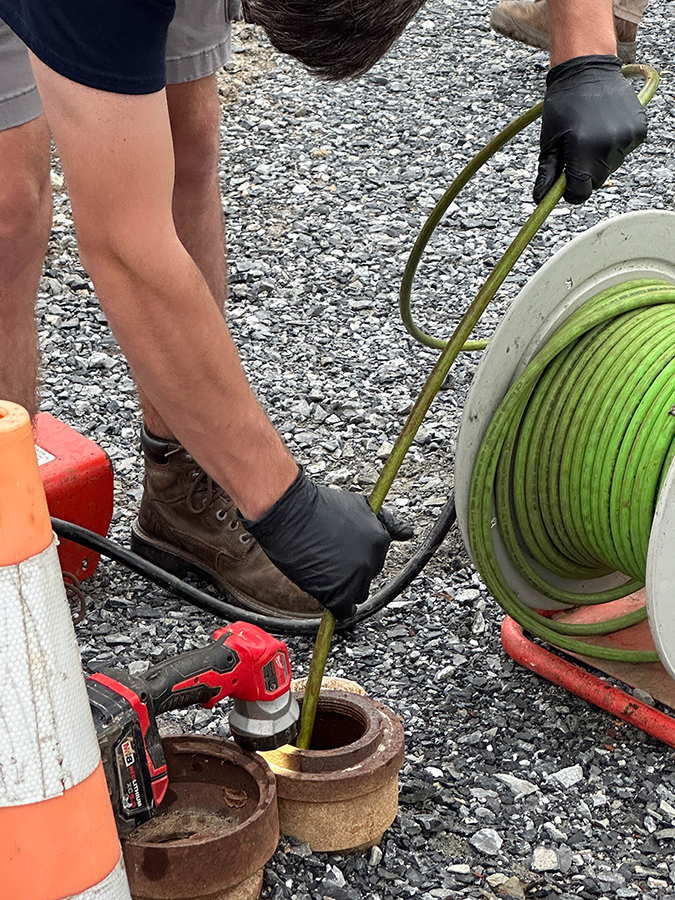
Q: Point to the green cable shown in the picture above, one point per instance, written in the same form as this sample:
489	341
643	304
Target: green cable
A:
452	347
581	566
529	229
460	338
585	431
506	263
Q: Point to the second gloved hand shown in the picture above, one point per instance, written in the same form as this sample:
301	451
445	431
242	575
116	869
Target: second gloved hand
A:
328	542
592	120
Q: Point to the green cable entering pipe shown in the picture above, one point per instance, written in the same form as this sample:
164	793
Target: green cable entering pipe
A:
450	349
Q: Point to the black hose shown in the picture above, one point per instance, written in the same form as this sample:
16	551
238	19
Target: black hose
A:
225	610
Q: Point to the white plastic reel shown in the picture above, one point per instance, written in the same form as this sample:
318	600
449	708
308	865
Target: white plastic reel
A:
635	245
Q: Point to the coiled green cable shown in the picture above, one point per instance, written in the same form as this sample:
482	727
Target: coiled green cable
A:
460	338
541	519
574	459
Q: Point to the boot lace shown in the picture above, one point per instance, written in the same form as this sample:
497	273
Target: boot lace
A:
204	493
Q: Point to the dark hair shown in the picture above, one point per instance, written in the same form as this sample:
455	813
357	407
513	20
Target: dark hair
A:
333	38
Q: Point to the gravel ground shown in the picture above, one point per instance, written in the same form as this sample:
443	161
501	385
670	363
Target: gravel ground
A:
511	786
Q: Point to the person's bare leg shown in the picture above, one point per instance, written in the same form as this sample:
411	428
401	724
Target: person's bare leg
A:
194	113
25	222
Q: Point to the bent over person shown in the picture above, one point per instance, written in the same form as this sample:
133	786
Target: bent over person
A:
129	95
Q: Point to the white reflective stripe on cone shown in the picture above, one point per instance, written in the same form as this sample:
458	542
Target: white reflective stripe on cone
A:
114	887
47	739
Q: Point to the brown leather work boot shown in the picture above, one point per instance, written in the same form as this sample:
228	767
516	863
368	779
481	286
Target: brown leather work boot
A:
187	523
527	21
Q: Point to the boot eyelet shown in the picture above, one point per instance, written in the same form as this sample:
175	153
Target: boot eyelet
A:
220	514
245	538
194	473
233	525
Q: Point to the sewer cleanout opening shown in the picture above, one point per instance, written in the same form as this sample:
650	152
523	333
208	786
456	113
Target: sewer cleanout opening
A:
337	725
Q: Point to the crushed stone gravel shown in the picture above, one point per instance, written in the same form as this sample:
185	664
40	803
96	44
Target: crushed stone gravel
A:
511	786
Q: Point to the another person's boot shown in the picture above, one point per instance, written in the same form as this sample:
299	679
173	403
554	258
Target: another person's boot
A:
527	21
187	523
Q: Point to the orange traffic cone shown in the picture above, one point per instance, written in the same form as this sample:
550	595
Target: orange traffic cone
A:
57	831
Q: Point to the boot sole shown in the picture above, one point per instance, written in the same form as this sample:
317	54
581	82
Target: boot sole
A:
166	558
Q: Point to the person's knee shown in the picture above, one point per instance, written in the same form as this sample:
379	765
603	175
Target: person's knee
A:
195	126
25	190
25	209
127	247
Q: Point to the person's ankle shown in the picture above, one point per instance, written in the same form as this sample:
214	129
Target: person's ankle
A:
158	431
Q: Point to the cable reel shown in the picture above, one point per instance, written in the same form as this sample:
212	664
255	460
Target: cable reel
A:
632	254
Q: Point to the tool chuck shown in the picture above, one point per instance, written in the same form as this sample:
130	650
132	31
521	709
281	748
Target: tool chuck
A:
265	724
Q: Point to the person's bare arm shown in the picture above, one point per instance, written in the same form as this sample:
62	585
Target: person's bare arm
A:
117	156
580	28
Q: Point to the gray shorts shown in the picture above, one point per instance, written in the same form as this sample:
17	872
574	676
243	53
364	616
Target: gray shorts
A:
198	44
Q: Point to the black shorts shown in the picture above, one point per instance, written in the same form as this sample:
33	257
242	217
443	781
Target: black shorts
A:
112	45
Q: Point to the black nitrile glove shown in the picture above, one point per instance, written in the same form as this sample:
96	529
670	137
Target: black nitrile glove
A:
398	530
592	119
328	542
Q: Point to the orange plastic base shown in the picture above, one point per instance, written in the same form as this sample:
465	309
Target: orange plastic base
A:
649	677
59	847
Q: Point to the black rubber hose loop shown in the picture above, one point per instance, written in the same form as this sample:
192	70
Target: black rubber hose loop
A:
225	610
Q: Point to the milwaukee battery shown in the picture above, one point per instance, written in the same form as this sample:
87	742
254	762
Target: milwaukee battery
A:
78	480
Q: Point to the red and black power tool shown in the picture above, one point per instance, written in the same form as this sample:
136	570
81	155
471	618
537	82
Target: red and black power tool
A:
243	662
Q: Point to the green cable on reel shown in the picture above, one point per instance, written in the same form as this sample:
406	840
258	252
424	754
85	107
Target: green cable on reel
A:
460	339
574	459
559	513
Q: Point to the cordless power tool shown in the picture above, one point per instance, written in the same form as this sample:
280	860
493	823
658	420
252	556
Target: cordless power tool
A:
243	662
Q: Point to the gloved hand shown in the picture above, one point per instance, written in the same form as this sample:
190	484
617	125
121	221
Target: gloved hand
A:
328	542
398	530
592	119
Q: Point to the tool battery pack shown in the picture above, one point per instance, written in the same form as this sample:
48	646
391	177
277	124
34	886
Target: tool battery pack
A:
78	481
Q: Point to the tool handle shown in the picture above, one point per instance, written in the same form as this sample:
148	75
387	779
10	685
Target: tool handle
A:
198	676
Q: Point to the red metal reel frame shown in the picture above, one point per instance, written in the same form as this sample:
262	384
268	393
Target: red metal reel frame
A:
584	684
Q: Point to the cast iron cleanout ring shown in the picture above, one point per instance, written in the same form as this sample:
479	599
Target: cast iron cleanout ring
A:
215	830
342	793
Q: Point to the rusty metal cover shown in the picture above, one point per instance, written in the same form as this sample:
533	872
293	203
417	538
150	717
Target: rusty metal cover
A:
217	826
